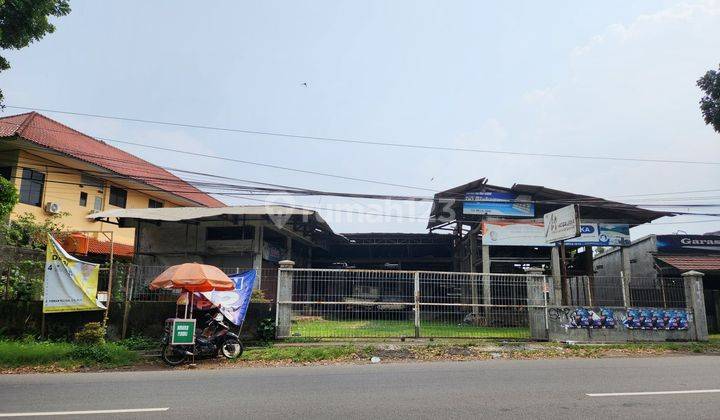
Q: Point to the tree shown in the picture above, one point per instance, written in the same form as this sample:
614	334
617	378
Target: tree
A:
25	21
710	102
8	198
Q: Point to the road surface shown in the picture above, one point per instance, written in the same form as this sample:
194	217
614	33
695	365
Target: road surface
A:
670	387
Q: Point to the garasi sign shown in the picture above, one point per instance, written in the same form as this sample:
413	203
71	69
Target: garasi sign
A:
690	243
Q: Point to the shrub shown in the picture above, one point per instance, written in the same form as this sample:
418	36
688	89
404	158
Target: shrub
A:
258	296
266	330
139	342
93	333
91	354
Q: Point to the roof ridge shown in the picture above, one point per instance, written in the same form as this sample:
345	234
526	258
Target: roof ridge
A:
20	123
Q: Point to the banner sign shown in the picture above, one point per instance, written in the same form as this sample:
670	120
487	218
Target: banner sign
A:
602	234
493	203
591	318
511	232
70	284
697	243
656	319
514	233
183	332
561	224
233	304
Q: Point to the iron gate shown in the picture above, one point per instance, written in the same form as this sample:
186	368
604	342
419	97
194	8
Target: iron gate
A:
396	303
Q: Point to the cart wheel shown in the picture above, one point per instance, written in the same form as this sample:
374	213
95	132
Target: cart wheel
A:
232	348
172	357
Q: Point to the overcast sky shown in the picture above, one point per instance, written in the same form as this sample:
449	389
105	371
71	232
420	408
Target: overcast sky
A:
610	78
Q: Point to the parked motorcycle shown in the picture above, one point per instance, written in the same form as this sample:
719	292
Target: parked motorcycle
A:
216	338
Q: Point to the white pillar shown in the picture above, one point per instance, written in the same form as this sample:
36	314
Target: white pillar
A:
283	313
695	305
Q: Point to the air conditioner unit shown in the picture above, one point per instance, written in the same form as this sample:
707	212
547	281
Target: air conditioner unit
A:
52	208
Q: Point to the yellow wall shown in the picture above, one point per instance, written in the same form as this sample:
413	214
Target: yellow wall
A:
62	185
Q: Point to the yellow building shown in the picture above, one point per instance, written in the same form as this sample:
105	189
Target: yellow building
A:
58	170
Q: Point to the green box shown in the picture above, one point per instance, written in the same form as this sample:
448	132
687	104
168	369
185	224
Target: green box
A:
183	331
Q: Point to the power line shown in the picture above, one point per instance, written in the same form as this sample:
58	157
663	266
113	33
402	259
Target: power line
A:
275	188
370	142
246	162
300	190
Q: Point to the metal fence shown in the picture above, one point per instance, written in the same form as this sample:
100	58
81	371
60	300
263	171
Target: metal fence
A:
394	303
660	292
140	276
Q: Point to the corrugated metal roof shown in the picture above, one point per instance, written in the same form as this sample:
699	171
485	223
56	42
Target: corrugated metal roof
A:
547	197
177	214
702	263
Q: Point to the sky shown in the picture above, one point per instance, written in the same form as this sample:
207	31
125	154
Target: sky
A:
611	78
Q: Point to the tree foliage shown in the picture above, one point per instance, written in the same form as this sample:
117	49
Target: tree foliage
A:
27	232
8	198
25	21
710	102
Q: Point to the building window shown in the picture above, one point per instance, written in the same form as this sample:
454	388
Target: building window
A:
154	204
118	197
98	203
31	187
229	233
6	172
83	199
90	181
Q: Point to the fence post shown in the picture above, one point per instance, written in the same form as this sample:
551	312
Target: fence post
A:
625	284
537	303
695	303
283	313
129	276
416	295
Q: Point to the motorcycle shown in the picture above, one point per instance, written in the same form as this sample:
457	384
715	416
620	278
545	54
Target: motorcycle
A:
215	339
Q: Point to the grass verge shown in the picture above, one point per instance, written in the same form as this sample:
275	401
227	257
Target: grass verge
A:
469	351
299	354
14	354
387	328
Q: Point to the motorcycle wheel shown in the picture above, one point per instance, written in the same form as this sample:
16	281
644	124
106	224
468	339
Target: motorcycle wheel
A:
170	356
232	348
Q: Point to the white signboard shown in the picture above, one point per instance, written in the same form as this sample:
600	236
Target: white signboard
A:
531	232
561	224
514	233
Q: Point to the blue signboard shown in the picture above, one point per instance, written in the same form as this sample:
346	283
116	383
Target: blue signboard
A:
494	203
688	243
602	234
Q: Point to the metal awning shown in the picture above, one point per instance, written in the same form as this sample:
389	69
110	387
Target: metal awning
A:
180	214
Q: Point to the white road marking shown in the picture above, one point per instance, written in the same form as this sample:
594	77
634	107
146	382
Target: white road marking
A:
78	413
626	394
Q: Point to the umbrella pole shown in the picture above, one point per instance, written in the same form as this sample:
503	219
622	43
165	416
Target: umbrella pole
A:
192	295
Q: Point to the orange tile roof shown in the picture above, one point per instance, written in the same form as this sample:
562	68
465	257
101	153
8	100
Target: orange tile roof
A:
700	263
102	247
49	133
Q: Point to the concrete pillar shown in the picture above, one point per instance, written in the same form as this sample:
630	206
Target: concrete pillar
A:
556	275
537	303
257	255
626	275
472	237
486	268
626	266
695	305
283	313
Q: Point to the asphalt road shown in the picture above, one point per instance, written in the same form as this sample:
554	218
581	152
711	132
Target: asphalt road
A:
483	389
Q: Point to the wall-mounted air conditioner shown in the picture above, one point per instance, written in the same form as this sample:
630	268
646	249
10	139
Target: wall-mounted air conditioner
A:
52	208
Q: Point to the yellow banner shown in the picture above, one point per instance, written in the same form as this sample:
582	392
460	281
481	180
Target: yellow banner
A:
70	284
